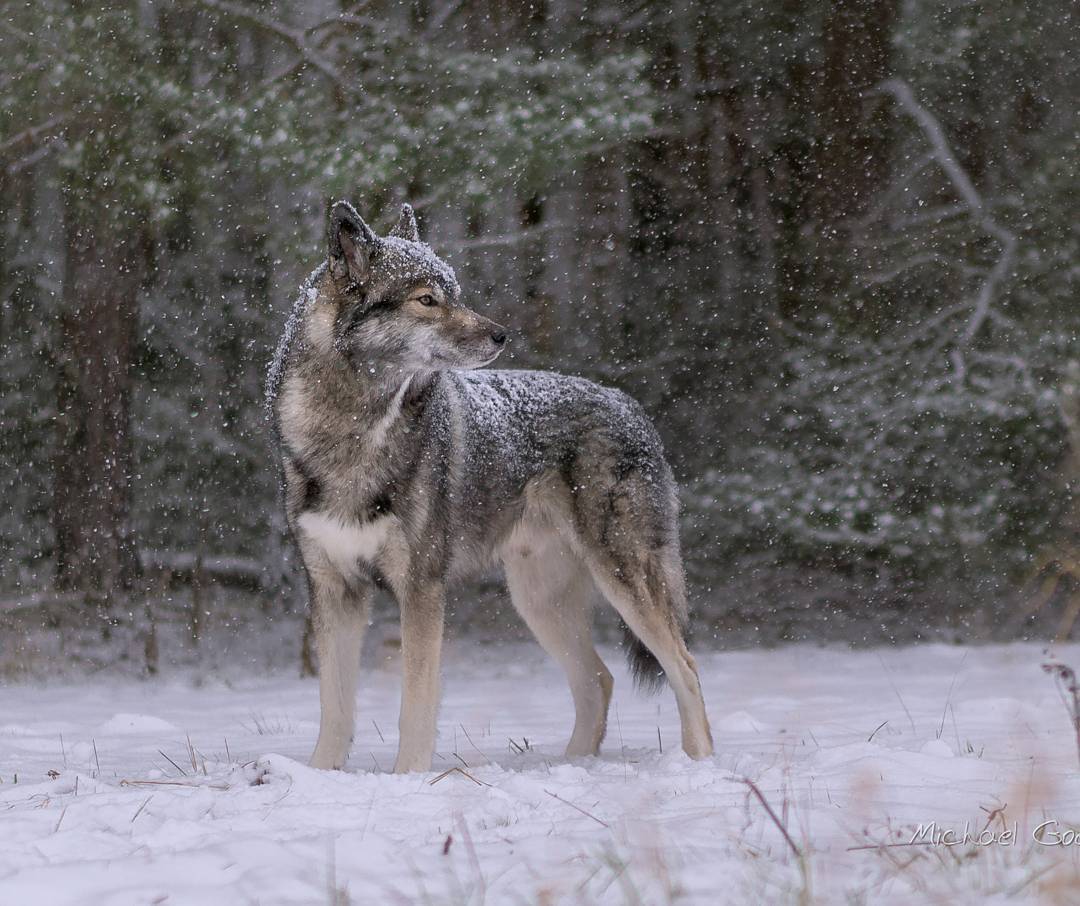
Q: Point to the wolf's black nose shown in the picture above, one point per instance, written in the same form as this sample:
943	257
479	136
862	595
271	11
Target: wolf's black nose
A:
498	337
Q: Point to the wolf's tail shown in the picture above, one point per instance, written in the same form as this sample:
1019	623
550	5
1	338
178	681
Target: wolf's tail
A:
648	675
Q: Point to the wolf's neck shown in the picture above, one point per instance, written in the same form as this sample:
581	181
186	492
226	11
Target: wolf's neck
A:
367	402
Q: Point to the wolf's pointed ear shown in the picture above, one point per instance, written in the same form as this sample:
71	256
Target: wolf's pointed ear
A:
406	227
351	243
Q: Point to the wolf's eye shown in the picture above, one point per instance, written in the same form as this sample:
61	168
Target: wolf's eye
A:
428	300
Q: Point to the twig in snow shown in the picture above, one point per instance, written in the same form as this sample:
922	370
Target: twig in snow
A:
61	820
173	763
187	783
577	808
377	730
768	810
456	770
878	727
1066	676
140	809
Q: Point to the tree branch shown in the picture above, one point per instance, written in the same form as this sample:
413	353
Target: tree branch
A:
965	188
505	239
29	136
294	36
194	129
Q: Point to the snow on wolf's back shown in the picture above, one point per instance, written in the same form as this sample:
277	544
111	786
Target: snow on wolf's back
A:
536	419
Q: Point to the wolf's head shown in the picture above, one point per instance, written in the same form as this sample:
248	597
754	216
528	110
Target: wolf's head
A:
398	304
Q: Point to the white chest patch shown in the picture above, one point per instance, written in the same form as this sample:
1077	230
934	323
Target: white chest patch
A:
345	543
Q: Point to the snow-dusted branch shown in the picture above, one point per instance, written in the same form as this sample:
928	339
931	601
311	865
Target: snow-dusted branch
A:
274	80
501	240
294	36
965	188
31	135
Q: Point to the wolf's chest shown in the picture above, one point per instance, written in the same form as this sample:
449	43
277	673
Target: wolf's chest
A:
347	542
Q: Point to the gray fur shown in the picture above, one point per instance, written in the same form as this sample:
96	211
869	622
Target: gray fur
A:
405	468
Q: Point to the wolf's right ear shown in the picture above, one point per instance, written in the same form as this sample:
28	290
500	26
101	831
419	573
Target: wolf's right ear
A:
406	227
351	243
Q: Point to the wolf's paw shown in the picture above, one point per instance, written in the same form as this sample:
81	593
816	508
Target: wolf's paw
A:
698	749
325	762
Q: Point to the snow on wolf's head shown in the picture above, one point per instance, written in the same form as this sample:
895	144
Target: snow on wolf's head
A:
398	303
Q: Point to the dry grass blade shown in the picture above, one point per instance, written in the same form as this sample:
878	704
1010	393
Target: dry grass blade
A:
578	808
885	672
456	770
139	810
775	820
856	849
191	755
187	783
1066	677
473	744
173	763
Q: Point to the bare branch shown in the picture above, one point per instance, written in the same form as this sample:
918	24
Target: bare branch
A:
499	241
294	36
881	277
270	81
965	188
441	17
30	136
39	153
345	17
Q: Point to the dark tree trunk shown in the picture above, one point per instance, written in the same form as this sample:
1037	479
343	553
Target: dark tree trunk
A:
92	467
848	160
851	162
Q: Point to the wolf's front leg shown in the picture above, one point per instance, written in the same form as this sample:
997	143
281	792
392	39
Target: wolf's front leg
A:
421	646
339	615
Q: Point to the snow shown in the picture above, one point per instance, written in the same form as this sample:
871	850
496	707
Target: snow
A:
114	791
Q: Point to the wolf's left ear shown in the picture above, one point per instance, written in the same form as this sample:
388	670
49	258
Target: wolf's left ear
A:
406	227
351	243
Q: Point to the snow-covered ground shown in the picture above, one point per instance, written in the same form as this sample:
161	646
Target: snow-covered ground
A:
125	792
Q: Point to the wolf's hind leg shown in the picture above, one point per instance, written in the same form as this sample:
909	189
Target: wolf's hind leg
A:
339	616
648	594
552	590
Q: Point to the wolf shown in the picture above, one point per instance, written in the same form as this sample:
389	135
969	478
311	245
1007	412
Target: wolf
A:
405	467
